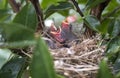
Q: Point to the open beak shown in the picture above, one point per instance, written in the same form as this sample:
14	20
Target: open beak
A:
58	31
54	33
53	28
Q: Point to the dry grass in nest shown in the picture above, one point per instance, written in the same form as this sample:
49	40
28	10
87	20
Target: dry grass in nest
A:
79	61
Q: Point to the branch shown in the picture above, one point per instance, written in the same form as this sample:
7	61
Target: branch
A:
77	8
97	10
39	14
88	32
14	5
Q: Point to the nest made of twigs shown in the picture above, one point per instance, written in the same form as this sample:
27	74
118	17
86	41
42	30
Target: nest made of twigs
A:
80	60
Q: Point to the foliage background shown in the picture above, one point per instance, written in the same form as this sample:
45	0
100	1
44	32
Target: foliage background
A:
18	24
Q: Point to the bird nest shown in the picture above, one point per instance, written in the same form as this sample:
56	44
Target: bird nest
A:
80	60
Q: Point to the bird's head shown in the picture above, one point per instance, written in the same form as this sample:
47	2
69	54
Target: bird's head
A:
57	35
61	33
66	23
71	19
53	27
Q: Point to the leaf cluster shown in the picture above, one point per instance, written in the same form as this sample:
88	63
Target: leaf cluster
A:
17	32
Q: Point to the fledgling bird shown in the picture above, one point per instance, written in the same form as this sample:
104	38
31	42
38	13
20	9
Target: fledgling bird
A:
64	33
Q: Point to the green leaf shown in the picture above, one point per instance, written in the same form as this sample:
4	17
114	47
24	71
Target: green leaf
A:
3	4
4	56
92	22
112	5
104	26
118	75
113	49
93	3
27	17
114	28
116	66
4	14
82	1
15	32
13	68
42	64
104	71
60	76
46	3
18	44
62	8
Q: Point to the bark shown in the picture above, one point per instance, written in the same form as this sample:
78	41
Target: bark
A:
96	11
15	6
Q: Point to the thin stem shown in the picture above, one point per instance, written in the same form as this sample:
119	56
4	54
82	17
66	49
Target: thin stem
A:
14	5
77	8
39	13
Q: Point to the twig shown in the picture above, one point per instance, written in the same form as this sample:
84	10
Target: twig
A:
79	70
78	57
87	33
14	5
39	14
78	66
77	8
25	53
88	53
